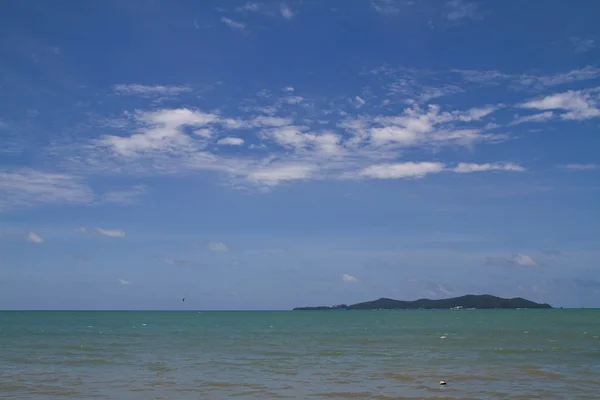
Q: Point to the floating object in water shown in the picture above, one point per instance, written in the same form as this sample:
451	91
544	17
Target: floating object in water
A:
443	383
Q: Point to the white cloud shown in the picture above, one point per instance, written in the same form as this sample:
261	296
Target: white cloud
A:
293	99
81	229
524	260
359	102
579	105
461	9
151	90
581	45
349	278
296	137
27	188
422	127
34	238
518	259
528	81
277	173
124	197
401	170
286	12
389	7
218	247
124	282
540	117
233	24
581	167
468	168
270	121
252	7
204	132
118	233
575	75
162	131
231	141
287	89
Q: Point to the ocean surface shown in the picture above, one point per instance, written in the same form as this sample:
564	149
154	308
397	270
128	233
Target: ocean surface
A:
492	354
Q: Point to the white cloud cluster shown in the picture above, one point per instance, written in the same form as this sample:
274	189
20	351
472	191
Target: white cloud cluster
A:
576	104
421	127
162	130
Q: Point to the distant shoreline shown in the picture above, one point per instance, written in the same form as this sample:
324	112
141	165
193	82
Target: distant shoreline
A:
470	301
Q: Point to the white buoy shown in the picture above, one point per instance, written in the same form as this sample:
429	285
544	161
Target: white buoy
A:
443	383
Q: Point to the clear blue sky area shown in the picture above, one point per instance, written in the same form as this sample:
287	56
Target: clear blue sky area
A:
265	155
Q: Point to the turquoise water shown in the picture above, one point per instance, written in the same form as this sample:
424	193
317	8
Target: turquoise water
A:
504	354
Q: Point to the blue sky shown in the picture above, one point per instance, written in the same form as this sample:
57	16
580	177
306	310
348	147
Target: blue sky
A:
264	155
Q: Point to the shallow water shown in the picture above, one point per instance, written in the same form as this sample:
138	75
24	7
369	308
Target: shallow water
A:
492	354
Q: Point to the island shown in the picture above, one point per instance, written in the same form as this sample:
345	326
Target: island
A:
470	301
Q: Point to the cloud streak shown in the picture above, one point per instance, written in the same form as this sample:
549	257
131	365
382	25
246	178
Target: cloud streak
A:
115	233
33	237
150	90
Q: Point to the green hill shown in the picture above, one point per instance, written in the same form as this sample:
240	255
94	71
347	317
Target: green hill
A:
484	301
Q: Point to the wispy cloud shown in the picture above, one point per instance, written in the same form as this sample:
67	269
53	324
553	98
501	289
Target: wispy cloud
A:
34	238
116	233
217	247
519	259
180	262
81	229
581	45
528	81
390	7
231	141
524	260
22	188
151	90
581	167
540	117
468	168
349	278
286	12
578	105
124	197
463	9
401	170
124	282
235	25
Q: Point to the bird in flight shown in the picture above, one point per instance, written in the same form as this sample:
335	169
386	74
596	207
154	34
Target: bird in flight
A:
183	300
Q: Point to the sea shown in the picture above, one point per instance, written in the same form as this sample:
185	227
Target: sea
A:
480	354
